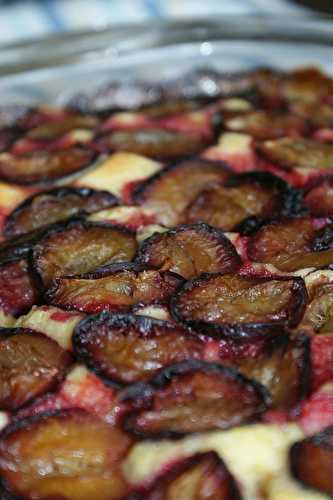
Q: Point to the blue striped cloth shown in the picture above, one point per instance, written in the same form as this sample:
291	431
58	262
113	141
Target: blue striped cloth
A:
33	18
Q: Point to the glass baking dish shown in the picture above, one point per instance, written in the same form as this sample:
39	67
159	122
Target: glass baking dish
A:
51	69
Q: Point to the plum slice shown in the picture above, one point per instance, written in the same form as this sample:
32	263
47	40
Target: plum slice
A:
173	107
267	125
169	192
78	247
319	115
289	153
55	205
196	396
156	143
30	365
44	167
308	85
68	454
190	250
52	130
203	476
19	247
241	197
17	290
238	306
125	348
319	311
292	244
113	288
319	200
262	87
311	461
283	367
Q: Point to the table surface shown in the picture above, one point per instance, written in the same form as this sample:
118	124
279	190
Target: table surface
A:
34	18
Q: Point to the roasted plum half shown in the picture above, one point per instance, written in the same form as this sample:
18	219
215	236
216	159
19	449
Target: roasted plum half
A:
238	306
264	125
77	247
311	461
67	454
55	205
195	396
293	244
282	366
44	167
30	365
190	250
319	199
155	143
117	287
171	190
244	198
125	348
17	290
198	477
290	152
